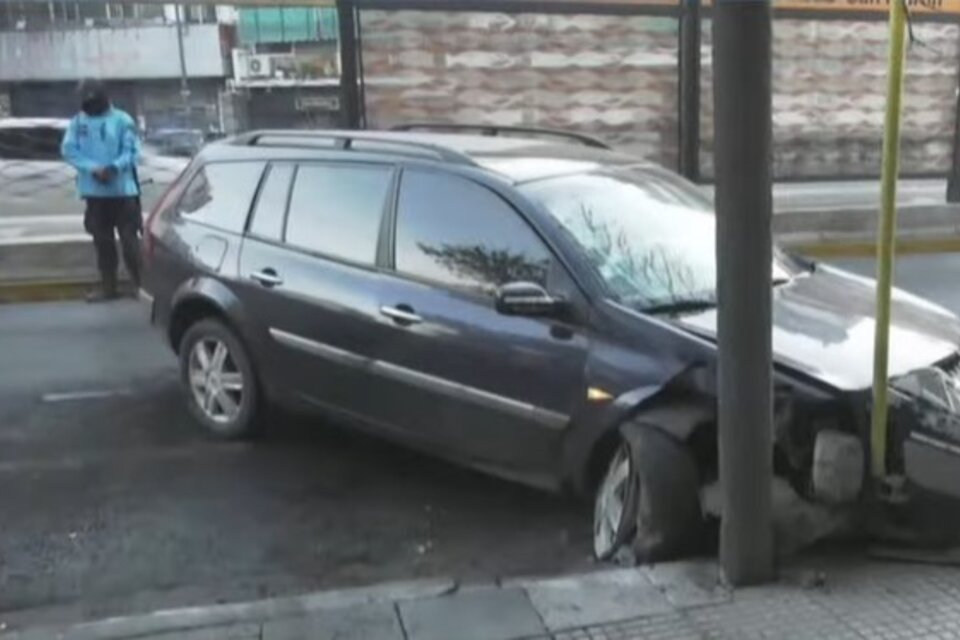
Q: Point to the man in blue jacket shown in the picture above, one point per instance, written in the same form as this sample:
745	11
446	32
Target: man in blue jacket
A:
102	144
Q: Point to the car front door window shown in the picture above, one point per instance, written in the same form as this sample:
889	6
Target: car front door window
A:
459	234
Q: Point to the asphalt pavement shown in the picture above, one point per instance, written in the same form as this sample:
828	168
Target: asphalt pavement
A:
934	276
113	502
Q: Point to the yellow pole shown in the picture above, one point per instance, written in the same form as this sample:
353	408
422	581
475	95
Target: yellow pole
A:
888	225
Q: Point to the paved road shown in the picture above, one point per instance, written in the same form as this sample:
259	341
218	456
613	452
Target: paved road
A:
934	276
118	504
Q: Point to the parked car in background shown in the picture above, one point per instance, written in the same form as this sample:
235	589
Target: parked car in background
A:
34	179
539	307
183	143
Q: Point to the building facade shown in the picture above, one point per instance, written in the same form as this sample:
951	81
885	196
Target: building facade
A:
47	47
286	68
617	77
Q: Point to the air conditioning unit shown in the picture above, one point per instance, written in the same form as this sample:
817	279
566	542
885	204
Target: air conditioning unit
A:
259	66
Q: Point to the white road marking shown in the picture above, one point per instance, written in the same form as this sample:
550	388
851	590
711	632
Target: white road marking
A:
93	394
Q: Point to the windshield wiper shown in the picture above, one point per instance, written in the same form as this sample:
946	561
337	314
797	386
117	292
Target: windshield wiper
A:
681	306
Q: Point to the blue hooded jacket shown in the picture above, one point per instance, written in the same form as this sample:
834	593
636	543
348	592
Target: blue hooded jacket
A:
108	140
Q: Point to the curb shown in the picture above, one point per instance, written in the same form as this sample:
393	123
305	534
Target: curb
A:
174	621
47	290
43	291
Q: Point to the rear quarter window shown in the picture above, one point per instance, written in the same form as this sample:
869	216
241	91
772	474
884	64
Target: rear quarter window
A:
220	194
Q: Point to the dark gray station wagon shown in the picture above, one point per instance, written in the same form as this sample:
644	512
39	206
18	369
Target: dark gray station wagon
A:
537	307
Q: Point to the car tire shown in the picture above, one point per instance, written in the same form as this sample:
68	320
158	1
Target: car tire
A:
655	481
219	381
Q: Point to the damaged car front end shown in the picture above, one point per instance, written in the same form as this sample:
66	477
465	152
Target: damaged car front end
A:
644	441
823	404
923	454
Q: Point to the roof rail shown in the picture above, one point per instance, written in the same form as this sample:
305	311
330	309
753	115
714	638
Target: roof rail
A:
352	141
496	130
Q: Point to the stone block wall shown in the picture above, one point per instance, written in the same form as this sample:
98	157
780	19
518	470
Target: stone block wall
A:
612	77
829	98
616	78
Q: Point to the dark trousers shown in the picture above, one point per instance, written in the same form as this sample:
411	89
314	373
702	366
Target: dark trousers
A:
107	218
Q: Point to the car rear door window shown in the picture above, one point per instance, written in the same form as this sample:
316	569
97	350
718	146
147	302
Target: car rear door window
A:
461	234
220	194
336	210
268	215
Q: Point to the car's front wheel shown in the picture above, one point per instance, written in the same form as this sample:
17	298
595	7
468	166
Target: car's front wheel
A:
648	499
219	380
614	504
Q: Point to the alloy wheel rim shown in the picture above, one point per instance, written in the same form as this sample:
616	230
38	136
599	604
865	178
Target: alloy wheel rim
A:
611	505
215	380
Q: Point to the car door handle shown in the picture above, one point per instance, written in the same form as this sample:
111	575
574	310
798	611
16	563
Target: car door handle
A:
400	315
267	277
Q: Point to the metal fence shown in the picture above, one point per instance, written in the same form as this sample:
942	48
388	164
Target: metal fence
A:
194	72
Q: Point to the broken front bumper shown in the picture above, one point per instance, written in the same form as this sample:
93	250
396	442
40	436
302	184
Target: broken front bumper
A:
925	430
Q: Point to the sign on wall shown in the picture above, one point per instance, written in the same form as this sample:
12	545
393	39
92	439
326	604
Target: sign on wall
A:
950	7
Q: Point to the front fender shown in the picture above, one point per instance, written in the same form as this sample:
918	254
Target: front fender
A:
676	407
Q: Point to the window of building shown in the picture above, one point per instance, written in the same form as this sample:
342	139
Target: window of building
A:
36	15
200	13
92	12
66	13
149	12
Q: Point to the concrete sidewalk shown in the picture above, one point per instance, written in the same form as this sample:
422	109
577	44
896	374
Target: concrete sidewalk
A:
851	598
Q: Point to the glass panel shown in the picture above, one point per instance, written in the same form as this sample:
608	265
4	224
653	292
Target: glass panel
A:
220	194
458	233
649	235
336	210
272	203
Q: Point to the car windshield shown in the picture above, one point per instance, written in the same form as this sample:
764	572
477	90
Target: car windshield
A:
649	235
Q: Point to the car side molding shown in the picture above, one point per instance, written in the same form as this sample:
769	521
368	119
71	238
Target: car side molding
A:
540	415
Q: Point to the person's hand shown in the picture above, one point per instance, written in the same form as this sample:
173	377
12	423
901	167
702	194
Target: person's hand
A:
104	175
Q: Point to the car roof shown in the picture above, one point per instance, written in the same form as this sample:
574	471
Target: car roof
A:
514	158
25	123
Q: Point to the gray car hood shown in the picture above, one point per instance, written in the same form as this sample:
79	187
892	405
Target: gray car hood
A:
823	325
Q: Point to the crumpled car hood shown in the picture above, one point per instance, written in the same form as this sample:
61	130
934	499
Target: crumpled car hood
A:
823	325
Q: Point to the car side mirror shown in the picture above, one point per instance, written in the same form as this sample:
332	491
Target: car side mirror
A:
528	299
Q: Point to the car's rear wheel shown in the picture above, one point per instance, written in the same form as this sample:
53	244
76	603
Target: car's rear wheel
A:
219	380
648	499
